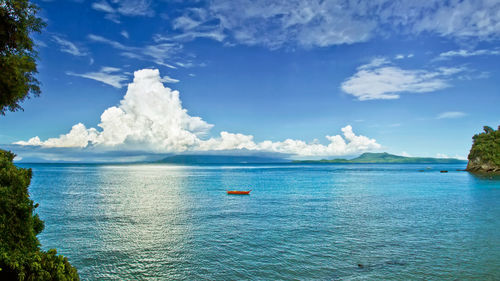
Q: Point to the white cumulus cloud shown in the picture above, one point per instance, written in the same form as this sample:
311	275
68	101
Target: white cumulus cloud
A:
79	136
379	79
349	143
151	118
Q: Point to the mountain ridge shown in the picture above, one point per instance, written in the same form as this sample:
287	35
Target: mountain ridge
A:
220	159
387	158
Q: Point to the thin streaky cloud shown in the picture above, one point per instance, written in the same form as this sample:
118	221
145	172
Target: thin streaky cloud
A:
467	53
451	115
125	34
103	6
157	53
107	75
69	47
115	8
168	79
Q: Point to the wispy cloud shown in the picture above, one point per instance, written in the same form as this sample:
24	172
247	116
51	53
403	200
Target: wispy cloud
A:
115	8
135	7
158	53
401	56
379	79
476	19
114	44
39	43
317	23
103	6
168	79
376	62
194	23
68	46
215	34
125	34
305	23
467	53
107	75
151	118
451	115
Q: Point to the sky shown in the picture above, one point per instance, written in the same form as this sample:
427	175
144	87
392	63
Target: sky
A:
133	79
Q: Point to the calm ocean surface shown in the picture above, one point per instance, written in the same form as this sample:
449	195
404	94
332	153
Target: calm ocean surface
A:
159	222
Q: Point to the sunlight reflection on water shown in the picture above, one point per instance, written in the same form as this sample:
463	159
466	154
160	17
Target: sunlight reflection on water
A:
136	222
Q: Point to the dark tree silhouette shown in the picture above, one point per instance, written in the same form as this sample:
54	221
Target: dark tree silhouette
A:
18	21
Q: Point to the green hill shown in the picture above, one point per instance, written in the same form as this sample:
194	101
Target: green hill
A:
388	158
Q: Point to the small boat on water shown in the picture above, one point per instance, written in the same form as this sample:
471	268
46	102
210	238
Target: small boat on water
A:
238	192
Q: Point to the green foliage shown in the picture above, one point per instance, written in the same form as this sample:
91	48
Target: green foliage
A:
486	147
20	254
17	54
49	266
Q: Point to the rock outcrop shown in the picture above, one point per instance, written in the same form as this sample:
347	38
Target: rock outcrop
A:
484	156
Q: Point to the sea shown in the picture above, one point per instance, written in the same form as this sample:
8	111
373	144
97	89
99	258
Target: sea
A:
300	221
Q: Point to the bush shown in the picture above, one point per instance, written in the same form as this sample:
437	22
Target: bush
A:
20	254
486	147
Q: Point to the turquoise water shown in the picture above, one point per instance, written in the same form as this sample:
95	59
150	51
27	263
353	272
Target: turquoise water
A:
158	222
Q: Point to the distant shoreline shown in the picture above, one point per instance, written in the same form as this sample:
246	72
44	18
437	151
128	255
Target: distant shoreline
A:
365	158
293	163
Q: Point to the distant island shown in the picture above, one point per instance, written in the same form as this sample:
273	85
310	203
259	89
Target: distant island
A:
484	155
387	158
363	158
219	159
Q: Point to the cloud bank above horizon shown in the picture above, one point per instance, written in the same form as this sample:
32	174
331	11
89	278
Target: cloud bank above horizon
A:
150	117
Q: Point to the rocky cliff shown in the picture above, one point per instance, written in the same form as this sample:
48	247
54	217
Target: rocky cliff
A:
484	156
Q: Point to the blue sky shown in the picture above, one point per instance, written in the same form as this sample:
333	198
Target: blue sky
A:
414	78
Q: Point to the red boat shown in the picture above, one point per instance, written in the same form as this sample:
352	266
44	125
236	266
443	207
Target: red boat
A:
238	192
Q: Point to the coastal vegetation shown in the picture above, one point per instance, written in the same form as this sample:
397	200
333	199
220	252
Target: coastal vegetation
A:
387	158
20	255
484	155
18	19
